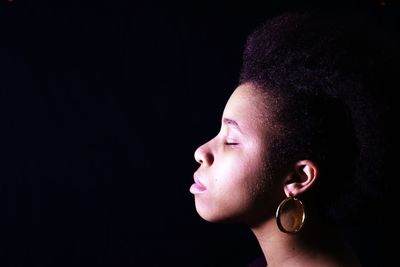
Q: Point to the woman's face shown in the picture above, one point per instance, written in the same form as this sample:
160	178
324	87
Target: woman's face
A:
233	182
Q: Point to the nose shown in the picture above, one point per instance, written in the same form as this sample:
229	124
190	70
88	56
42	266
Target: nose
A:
204	155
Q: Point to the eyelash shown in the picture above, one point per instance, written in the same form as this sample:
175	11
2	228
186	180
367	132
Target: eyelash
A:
231	143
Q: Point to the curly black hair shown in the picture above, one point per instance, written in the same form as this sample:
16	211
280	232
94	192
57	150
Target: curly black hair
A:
326	76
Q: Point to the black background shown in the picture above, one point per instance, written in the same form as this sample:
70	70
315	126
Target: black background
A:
102	105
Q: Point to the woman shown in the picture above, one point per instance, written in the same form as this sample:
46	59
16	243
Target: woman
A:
289	148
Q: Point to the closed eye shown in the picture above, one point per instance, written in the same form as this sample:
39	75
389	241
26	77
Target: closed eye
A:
231	143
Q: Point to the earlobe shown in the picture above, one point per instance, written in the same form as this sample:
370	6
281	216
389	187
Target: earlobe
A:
304	176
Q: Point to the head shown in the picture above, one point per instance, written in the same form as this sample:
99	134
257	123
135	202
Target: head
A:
287	128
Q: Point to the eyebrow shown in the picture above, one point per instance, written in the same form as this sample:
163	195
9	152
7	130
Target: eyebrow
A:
232	123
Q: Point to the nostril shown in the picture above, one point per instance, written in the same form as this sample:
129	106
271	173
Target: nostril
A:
210	158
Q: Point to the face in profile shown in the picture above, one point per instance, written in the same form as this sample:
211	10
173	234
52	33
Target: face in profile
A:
232	182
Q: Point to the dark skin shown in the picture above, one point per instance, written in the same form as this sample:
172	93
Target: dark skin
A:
237	187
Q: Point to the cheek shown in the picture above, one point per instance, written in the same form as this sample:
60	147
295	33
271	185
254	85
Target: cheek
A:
241	174
241	182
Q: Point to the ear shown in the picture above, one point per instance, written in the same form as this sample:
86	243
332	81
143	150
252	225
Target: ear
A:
304	176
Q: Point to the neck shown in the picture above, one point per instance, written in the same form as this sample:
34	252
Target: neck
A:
315	245
275	244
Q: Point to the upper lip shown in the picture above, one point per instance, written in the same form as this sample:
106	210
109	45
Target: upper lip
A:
197	180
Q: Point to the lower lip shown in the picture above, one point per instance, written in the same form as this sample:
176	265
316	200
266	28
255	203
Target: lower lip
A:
197	188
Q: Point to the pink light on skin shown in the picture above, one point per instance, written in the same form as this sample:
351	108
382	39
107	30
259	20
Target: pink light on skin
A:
197	187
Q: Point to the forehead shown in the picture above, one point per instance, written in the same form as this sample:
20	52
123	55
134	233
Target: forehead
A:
248	106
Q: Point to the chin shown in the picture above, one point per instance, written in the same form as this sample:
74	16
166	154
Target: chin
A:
216	216
217	219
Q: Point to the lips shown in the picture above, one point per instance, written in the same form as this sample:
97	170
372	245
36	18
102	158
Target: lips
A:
197	187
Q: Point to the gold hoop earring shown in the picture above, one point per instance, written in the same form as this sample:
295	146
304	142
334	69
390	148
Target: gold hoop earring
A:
296	220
